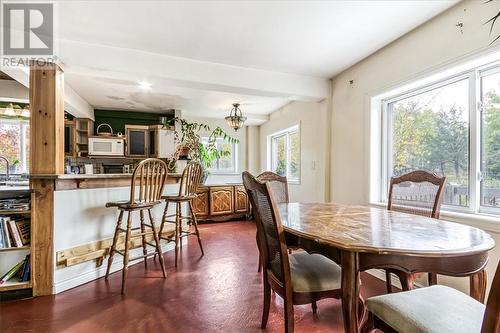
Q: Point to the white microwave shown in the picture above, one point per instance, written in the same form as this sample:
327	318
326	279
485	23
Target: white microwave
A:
106	146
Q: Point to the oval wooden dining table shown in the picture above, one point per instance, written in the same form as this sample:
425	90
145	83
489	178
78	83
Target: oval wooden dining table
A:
361	238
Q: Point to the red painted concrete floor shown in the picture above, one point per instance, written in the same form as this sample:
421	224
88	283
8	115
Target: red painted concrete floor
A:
220	292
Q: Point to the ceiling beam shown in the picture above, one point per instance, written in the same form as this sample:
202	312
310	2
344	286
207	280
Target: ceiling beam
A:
73	103
120	63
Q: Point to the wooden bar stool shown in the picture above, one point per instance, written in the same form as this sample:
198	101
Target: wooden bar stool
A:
150	177
190	181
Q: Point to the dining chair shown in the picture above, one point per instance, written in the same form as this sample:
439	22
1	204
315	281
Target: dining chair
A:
146	189
279	188
418	192
300	277
190	180
436	309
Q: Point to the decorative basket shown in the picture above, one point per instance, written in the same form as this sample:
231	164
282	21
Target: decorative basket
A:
99	133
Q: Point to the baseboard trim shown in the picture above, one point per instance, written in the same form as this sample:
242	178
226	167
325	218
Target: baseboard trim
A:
81	279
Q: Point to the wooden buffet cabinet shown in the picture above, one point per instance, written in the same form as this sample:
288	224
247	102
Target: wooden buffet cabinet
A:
221	202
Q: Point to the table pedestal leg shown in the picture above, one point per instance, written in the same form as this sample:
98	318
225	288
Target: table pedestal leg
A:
350	290
478	286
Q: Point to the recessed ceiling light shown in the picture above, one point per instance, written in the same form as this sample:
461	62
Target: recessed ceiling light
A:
145	85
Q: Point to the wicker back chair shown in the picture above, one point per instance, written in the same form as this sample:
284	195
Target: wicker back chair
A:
279	185
300	278
417	192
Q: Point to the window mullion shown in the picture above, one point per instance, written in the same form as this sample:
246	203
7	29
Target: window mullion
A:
474	143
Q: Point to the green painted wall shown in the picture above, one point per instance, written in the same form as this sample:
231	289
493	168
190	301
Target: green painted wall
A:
118	119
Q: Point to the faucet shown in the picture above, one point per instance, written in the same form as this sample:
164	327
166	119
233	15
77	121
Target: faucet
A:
7	164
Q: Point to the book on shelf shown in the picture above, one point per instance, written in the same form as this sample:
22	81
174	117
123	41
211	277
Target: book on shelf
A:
19	272
5	231
14	232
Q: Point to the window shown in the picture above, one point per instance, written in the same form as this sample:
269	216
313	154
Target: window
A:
285	153
452	128
490	138
224	164
14	145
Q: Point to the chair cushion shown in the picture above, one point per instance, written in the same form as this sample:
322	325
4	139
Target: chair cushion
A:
313	272
436	309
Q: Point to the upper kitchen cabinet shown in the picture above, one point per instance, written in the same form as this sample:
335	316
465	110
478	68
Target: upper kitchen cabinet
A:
76	136
137	140
161	141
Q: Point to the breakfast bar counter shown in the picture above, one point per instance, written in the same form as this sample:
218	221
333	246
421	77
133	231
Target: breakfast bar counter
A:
82	227
87	181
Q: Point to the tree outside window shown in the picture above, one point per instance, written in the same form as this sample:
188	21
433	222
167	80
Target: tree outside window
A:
14	144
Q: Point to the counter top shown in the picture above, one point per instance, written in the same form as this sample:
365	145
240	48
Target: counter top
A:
84	181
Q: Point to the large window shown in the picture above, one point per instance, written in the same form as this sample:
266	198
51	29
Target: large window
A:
227	163
451	128
14	145
285	153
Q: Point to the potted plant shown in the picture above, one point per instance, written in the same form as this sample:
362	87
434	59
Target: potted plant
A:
190	145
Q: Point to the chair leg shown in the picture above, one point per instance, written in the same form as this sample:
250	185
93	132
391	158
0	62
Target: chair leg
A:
164	217
177	231
289	319
144	245
267	302
125	251
314	306
432	279
388	281
195	222
259	269
406	280
113	246
157	242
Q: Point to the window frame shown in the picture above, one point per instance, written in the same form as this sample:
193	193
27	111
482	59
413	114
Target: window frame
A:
286	133
473	77
234	157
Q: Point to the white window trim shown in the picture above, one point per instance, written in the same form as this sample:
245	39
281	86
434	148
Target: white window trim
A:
476	212
286	131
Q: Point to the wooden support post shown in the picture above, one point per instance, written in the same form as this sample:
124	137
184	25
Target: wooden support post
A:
46	157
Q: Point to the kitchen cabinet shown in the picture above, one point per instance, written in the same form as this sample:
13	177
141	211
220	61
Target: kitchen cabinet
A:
137	140
201	204
161	141
76	136
240	199
221	202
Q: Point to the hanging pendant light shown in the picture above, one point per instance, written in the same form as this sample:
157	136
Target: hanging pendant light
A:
9	110
235	118
26	112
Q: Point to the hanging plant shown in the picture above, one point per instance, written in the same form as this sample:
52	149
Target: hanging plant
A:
189	142
492	22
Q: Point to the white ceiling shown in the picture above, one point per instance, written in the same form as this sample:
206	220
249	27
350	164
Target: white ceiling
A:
305	39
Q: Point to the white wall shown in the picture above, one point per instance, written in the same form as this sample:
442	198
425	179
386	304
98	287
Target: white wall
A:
312	118
241	135
13	91
424	50
91	222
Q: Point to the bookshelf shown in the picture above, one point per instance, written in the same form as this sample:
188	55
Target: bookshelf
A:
9	256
